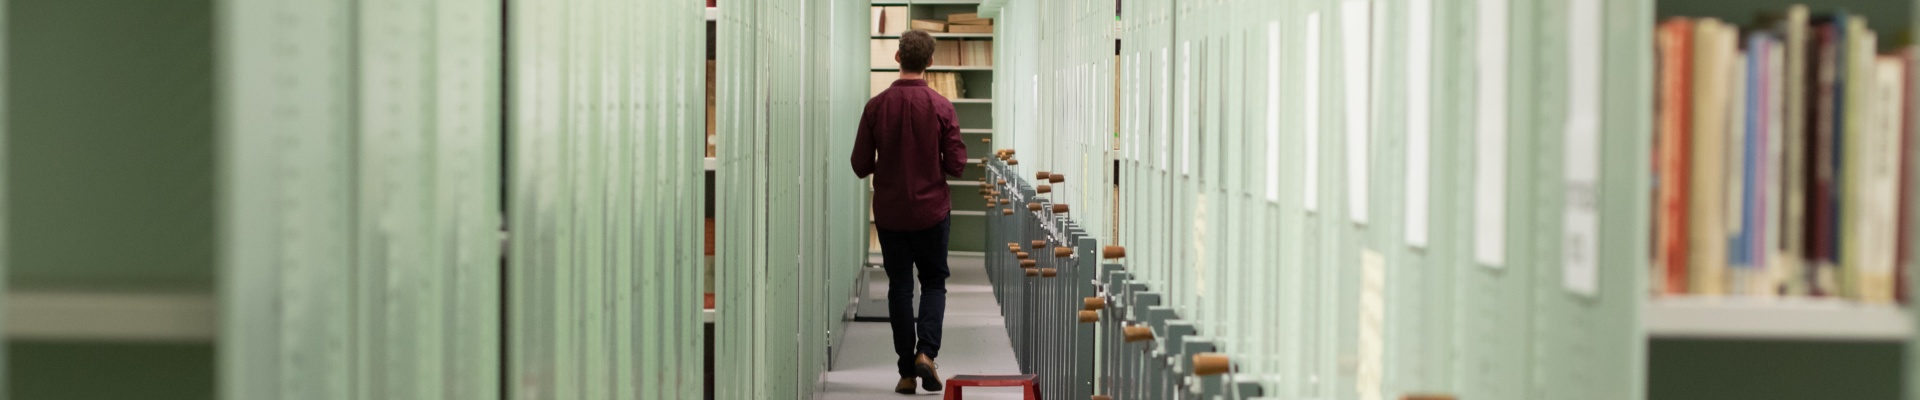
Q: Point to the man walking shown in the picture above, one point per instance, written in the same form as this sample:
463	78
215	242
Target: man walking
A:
911	137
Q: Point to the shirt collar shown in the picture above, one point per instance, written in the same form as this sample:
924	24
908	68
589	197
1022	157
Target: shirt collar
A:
909	82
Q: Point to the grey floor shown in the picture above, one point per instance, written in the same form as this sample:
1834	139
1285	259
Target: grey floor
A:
974	342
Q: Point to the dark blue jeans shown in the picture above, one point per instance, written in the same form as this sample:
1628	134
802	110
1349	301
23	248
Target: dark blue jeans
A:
902	252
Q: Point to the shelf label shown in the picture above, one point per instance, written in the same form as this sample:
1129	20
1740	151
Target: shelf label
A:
1419	119
1580	271
1490	144
1356	49
1311	190
1273	111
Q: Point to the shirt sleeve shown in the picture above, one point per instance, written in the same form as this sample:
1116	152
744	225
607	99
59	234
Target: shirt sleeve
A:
863	152
953	151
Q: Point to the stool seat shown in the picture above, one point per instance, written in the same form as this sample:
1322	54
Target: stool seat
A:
957	382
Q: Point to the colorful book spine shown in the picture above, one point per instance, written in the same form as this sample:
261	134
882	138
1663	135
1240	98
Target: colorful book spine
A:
1794	131
1676	86
1853	160
1828	39
1738	180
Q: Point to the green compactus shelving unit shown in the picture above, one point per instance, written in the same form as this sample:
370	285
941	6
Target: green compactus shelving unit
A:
340	199
1364	199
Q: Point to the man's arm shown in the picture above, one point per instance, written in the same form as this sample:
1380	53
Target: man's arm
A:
953	151
863	145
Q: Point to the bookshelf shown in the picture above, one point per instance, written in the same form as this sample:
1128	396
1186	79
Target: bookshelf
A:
974	106
1687	335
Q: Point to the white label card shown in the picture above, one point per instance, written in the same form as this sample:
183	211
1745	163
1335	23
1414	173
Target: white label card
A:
1490	141
1311	190
1166	106
1419	118
1356	49
1579	254
1186	108
1273	111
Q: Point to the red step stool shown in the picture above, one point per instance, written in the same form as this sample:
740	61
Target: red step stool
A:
960	381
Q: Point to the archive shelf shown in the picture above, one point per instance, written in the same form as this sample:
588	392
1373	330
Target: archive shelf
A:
109	315
1798	318
1775	319
976	80
943	35
943	68
1825	331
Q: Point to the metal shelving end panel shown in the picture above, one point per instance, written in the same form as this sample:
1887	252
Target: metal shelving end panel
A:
1775	319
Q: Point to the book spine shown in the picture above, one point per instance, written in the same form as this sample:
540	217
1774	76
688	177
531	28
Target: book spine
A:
1736	181
1676	113
1820	161
1797	107
1768	242
1903	245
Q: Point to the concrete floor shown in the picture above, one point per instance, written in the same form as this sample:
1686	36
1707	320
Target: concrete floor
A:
975	342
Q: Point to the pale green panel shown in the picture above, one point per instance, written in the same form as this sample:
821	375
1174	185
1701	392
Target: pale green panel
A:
1451	250
467	129
605	167
1603	331
792	81
1406	318
395	275
534	184
288	190
424	305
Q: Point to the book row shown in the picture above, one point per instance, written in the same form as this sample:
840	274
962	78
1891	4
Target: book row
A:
894	20
946	53
1777	159
948	84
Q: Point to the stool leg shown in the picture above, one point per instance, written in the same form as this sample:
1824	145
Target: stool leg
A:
953	392
1033	391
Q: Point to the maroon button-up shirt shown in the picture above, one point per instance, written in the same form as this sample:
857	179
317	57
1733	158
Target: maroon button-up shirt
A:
909	137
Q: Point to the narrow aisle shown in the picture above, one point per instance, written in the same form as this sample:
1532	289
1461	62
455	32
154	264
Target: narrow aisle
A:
975	336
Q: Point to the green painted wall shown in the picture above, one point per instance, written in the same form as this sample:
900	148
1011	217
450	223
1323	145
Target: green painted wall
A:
110	159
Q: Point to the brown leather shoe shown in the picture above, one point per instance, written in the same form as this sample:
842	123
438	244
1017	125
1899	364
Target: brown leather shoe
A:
929	373
905	386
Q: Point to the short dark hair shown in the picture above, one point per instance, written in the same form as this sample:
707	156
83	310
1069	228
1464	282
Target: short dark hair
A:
916	51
